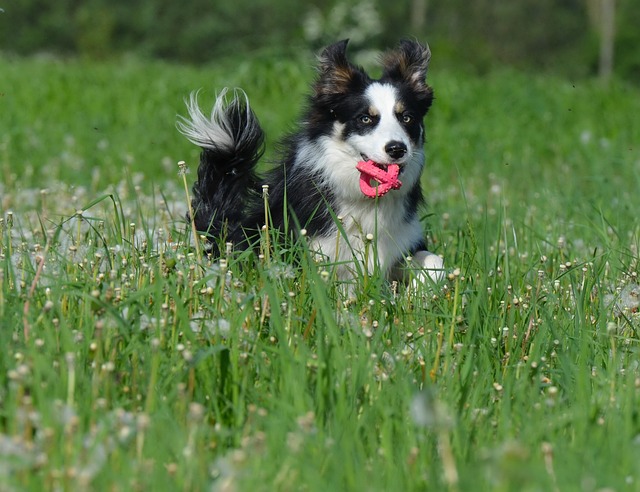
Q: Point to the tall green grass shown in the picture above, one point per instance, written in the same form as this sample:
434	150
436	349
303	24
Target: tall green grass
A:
127	363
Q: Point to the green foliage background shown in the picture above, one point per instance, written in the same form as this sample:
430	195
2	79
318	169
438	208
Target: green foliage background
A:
551	35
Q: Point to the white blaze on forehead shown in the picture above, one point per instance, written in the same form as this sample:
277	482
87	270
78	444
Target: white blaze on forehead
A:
383	99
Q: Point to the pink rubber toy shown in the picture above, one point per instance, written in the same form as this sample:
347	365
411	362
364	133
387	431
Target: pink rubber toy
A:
384	180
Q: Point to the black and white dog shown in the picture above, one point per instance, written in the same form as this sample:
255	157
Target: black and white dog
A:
356	157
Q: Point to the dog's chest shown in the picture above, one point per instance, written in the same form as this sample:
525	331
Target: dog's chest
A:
371	233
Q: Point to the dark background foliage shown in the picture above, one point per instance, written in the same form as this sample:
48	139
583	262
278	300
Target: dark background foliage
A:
561	36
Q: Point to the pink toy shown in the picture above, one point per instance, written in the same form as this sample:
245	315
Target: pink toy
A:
384	180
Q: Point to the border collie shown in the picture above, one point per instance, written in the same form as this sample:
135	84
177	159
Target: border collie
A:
349	177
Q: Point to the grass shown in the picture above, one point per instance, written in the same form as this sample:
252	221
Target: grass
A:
128	364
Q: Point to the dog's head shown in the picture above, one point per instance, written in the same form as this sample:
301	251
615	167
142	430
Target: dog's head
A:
360	118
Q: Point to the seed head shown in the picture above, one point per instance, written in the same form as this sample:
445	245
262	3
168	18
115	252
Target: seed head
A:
182	168
196	412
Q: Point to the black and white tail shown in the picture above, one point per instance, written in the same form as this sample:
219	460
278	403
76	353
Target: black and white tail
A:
232	142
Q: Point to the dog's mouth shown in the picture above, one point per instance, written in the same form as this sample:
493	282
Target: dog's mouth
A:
384	167
376	179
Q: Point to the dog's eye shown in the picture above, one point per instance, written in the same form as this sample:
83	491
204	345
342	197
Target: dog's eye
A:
407	118
365	119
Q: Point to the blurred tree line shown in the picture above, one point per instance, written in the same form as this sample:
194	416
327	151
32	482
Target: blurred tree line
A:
566	36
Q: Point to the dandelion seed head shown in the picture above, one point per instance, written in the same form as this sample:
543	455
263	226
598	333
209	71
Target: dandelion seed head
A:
426	411
182	168
196	412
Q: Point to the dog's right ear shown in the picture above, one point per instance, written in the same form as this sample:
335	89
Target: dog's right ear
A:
336	75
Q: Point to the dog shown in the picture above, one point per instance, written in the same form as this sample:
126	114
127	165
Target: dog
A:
348	178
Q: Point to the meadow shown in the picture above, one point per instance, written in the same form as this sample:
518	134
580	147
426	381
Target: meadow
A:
129	361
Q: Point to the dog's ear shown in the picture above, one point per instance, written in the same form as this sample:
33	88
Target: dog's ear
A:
409	62
336	75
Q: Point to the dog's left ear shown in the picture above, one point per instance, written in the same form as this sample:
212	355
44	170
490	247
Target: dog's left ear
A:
409	62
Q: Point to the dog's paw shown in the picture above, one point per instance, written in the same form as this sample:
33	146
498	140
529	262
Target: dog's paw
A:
429	265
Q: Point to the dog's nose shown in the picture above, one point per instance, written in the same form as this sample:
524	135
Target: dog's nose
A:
395	149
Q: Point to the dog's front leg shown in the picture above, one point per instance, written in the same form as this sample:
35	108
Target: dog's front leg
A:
428	264
423	267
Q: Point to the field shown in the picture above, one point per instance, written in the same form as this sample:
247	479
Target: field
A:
129	362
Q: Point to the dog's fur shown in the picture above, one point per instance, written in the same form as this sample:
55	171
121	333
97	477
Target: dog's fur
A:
349	118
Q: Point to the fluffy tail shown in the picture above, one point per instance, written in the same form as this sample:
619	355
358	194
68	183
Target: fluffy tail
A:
232	142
